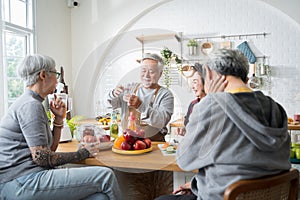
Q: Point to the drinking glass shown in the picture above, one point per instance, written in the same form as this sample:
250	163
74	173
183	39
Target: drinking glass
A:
64	97
127	92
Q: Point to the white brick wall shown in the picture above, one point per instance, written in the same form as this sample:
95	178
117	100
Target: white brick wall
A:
221	17
213	17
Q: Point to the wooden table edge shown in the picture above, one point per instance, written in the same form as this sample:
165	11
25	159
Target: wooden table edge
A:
70	146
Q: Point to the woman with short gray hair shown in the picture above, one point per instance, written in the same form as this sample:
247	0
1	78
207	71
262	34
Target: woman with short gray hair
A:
28	159
32	65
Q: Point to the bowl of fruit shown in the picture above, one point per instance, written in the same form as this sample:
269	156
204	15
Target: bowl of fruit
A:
132	142
89	133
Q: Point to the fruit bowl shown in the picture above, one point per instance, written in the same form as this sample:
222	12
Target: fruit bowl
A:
132	143
131	152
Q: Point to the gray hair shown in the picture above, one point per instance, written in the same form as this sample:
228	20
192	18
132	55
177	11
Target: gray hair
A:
153	56
198	68
229	62
32	65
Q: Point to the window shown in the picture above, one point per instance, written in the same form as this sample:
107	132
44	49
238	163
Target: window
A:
17	33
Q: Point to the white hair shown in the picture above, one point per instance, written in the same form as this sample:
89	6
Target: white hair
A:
32	65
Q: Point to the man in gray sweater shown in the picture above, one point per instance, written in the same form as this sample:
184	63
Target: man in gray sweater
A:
232	135
152	104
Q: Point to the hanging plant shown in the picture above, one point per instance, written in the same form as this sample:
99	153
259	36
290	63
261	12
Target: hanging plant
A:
168	57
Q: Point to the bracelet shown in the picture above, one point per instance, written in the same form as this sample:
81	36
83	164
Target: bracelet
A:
113	93
58	125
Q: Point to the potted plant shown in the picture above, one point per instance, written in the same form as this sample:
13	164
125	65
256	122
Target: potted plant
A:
192	45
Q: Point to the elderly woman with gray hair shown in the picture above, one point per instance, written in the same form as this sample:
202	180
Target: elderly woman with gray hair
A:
197	86
27	146
233	134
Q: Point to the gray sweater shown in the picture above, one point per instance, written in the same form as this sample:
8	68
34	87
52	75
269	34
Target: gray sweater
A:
24	125
232	137
156	116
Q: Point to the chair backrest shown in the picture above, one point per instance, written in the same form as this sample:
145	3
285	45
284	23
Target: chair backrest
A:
283	186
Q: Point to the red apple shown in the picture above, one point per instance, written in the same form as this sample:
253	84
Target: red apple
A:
139	145
147	141
125	146
133	133
129	138
105	138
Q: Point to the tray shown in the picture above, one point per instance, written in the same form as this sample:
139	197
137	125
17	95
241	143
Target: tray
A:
164	152
131	152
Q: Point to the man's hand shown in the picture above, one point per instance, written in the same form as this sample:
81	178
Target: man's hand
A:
216	85
184	189
134	101
118	90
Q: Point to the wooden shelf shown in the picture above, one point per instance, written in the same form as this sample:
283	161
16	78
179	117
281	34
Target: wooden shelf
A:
152	38
294	127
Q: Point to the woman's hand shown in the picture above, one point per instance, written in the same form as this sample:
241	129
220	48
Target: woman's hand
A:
184	189
58	108
180	131
93	148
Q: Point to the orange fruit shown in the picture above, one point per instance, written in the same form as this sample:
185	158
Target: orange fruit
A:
165	145
118	141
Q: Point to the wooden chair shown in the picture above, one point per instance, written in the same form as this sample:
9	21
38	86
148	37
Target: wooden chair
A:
283	186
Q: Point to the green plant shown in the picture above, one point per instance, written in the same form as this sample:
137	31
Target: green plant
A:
72	122
192	43
49	117
168	56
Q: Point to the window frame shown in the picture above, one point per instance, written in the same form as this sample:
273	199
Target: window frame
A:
29	35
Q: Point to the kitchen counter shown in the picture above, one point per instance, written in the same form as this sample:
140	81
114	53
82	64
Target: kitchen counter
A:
92	121
293	127
179	123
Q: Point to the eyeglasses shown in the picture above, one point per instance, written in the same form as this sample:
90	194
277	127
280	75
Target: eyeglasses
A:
57	74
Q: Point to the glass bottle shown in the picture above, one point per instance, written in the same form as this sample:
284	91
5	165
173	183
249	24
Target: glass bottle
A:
114	127
131	122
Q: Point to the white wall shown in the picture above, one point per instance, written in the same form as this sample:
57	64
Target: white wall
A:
53	22
290	7
95	22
